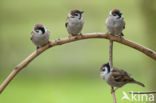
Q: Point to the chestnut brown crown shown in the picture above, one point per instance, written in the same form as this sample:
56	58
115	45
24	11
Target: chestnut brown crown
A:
75	12
39	27
116	12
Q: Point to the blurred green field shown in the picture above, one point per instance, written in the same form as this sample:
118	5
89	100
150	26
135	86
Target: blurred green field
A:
69	73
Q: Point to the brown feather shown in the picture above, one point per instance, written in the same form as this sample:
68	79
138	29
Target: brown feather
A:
115	11
72	12
121	76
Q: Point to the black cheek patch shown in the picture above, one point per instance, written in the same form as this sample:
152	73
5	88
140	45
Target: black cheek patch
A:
108	69
42	29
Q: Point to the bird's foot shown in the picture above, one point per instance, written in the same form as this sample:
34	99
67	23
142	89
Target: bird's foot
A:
112	90
37	49
81	34
121	37
69	36
108	33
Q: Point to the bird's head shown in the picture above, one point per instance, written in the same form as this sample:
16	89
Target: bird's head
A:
39	29
75	14
116	13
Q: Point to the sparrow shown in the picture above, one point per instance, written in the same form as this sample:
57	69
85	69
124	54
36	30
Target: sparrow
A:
115	23
40	35
116	77
74	22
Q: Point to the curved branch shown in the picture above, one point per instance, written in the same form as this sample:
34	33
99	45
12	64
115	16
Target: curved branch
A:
25	62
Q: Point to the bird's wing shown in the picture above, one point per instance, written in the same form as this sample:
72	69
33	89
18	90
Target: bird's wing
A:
121	76
123	23
31	35
66	23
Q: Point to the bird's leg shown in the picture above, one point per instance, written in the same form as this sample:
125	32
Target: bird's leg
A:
49	42
112	90
108	33
37	49
69	36
116	89
81	34
57	41
121	36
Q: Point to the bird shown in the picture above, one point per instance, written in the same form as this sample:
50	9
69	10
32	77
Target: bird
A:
115	23
74	22
116	77
40	35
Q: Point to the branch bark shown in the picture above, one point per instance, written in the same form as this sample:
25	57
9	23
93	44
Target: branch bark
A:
113	95
111	53
25	62
111	66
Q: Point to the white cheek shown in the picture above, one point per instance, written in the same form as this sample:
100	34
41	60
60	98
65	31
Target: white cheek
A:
116	17
103	74
39	32
45	29
69	15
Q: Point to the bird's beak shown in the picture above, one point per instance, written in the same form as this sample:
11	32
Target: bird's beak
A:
81	12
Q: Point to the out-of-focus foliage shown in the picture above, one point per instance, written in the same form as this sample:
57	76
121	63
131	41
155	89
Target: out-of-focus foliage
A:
148	8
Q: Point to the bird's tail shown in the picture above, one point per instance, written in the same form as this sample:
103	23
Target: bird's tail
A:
122	34
141	84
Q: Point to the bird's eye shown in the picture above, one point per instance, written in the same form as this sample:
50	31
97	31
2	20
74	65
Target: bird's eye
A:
114	14
37	31
76	14
103	70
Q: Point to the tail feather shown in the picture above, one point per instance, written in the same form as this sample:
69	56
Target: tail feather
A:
141	84
122	34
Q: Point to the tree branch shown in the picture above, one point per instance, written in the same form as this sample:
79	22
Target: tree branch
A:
111	66
25	62
111	53
113	94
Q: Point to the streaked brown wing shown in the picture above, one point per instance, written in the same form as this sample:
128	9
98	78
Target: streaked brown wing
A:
124	24
66	24
121	76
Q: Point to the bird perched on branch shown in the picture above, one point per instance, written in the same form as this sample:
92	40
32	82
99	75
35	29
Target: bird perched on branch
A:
40	35
116	77
115	23
74	22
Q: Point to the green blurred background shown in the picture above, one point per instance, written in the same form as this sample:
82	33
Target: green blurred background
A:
70	73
